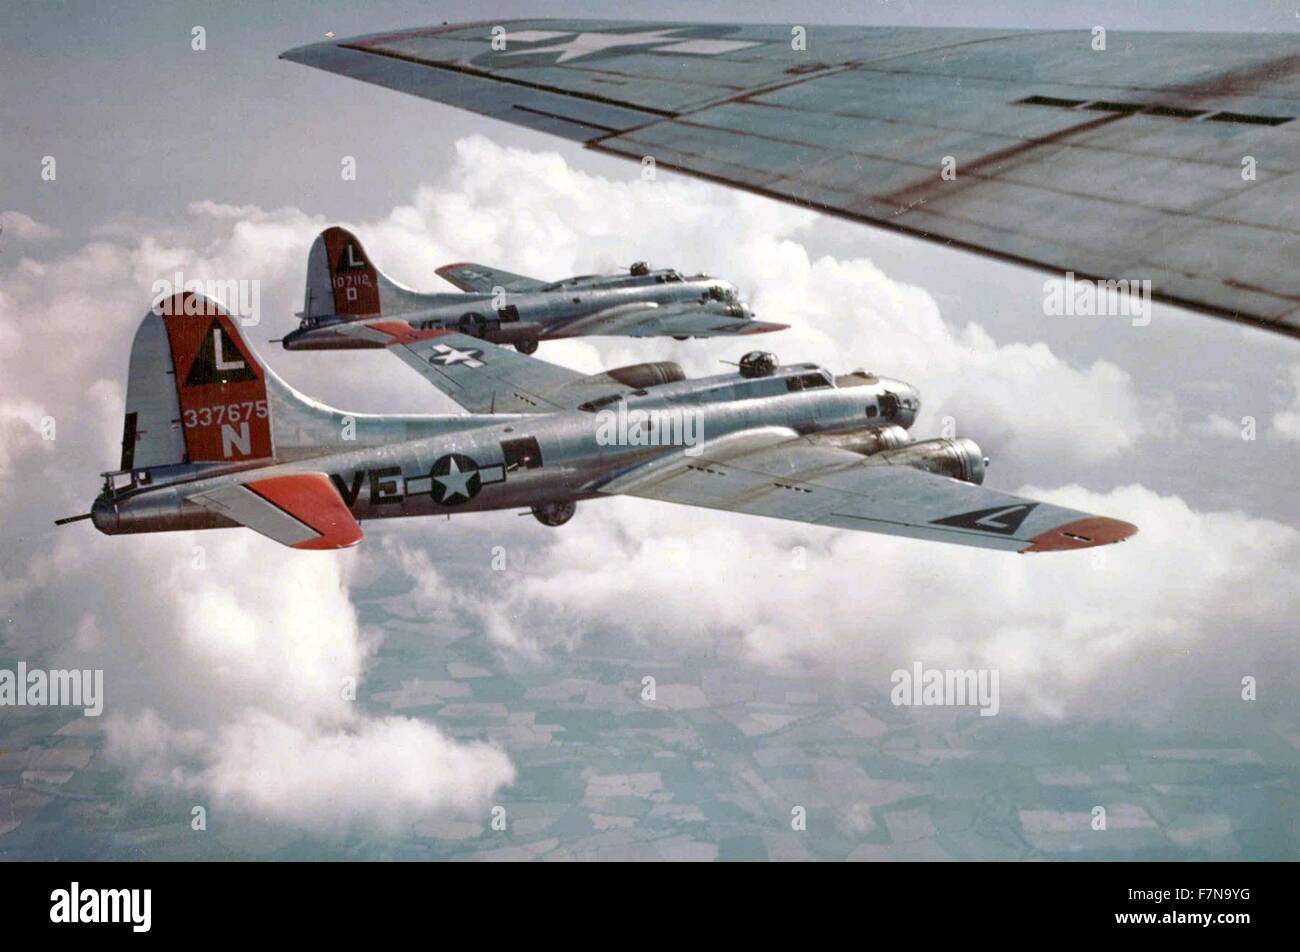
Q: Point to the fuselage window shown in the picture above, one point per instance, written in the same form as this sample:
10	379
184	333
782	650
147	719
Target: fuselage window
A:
806	382
521	454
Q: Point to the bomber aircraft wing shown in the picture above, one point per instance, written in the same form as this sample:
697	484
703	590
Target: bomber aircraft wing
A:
483	279
484	378
649	319
773	472
1169	157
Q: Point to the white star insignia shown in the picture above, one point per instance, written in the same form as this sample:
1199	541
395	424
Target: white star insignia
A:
584	43
456	481
450	355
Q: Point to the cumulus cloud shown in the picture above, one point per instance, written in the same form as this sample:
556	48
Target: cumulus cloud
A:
1016	396
1216	424
236	685
25	228
1152	630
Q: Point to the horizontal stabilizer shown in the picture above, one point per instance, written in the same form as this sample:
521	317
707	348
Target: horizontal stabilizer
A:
302	510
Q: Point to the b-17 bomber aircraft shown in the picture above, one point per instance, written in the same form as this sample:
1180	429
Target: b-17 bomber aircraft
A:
344	287
213	438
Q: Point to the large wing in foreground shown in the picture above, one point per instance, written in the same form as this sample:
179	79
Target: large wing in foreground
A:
767	473
483	279
667	320
1169	157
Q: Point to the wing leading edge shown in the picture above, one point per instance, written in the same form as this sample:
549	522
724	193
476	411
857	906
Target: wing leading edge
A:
1117	164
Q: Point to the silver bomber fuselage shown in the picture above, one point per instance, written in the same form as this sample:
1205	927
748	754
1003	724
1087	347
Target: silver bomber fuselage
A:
569	310
387	470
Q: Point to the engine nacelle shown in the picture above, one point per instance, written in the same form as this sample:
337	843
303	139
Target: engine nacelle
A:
642	376
957	458
872	439
515	332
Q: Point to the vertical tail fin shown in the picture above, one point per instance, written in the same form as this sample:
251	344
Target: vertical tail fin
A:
342	282
196	392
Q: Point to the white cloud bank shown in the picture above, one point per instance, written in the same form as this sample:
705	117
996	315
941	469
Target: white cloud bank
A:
230	664
1161	627
25	228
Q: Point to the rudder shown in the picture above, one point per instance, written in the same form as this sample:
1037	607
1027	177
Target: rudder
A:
340	278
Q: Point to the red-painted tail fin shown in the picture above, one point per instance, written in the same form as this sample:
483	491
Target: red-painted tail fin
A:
340	278
196	392
343	282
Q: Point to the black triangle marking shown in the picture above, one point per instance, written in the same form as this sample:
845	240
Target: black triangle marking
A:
1000	520
236	367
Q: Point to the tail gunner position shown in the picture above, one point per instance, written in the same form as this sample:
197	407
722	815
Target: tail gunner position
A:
214	439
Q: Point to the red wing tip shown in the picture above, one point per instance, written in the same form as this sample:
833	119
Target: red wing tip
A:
453	267
1082	534
767	328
